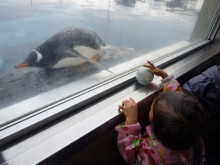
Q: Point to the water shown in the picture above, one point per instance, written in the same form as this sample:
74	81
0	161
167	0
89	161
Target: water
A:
129	28
141	25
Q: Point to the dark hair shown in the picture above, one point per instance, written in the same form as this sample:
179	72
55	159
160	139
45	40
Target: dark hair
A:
177	120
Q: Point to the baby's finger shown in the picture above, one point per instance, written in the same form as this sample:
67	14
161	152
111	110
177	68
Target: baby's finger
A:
120	109
148	66
125	102
132	100
151	64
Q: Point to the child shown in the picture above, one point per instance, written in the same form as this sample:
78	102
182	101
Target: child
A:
174	133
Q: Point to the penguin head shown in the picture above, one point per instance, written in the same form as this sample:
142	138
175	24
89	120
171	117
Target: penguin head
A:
32	60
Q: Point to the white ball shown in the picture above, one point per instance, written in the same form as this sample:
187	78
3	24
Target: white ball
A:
144	75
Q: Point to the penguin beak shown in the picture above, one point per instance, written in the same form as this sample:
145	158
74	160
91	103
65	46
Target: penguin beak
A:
22	65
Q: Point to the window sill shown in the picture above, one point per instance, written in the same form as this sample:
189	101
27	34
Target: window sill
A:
77	130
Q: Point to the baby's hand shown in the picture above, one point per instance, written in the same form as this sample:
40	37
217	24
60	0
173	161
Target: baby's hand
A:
156	71
130	109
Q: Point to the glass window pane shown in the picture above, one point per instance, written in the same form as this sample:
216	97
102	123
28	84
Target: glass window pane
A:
71	45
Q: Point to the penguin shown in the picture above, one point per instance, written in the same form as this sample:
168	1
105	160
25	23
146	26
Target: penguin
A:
70	47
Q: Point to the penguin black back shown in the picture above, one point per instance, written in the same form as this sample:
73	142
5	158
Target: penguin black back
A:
59	45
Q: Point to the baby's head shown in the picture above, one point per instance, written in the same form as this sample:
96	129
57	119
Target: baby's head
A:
177	119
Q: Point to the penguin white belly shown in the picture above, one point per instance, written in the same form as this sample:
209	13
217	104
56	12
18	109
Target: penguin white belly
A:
86	51
68	62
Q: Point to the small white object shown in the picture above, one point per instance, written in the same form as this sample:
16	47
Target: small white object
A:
144	75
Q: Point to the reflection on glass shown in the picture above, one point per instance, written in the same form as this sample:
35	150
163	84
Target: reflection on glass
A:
46	44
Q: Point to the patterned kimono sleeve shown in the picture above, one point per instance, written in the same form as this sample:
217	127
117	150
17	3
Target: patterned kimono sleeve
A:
129	139
171	84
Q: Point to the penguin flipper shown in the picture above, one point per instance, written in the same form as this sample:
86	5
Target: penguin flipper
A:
64	53
98	65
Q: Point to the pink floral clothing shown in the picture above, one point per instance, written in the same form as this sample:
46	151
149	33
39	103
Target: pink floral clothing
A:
146	149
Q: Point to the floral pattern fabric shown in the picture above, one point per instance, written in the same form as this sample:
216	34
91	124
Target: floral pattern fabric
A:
146	150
